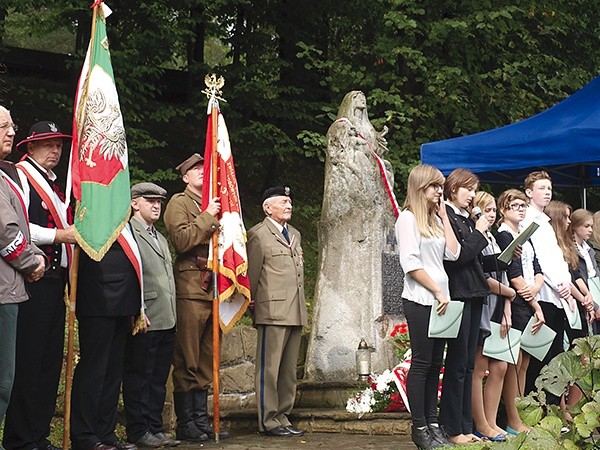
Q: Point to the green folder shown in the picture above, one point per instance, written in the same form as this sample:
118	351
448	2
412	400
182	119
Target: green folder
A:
572	316
448	324
506	349
594	287
538	344
509	251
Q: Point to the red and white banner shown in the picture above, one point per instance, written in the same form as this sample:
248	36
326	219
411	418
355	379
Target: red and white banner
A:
232	280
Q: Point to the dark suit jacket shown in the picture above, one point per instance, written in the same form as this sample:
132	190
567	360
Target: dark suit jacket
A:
109	287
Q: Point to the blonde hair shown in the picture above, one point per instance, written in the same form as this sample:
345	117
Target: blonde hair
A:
481	199
419	178
579	217
558	211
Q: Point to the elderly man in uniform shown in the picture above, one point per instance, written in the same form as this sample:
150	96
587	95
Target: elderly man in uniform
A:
276	273
41	323
19	259
148	356
190	230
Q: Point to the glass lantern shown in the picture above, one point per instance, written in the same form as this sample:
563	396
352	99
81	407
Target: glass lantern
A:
363	360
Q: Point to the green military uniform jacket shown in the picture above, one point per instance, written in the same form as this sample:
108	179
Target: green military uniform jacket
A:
190	231
276	273
159	282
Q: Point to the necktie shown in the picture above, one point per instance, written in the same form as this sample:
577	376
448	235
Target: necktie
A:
286	235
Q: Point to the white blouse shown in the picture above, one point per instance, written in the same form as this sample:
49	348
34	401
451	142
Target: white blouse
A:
419	252
549	256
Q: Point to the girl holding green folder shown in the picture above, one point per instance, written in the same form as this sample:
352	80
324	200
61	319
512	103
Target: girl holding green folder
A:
425	238
525	276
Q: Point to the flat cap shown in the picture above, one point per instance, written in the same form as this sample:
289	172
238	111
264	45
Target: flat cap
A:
148	190
276	192
189	163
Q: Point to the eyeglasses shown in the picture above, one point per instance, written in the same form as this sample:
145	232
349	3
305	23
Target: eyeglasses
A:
518	206
9	125
436	186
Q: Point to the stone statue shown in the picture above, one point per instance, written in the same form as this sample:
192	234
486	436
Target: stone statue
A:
357	216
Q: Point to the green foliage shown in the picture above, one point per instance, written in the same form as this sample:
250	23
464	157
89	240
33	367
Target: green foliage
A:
576	367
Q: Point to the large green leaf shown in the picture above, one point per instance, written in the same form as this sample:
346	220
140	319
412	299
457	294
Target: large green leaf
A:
530	410
588	420
541	439
564	370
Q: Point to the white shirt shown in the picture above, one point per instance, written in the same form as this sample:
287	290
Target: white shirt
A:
419	252
584	252
549	256
42	235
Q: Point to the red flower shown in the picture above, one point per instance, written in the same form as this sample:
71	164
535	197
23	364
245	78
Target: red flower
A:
403	328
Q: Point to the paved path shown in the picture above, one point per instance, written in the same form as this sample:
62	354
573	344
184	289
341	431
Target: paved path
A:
321	441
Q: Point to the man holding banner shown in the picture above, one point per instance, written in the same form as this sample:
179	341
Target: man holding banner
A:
190	230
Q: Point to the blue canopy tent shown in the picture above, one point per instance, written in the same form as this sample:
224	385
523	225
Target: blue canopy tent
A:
563	140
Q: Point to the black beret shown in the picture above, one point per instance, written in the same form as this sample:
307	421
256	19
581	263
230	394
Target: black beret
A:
276	192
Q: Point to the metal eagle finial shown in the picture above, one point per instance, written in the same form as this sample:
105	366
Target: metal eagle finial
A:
213	87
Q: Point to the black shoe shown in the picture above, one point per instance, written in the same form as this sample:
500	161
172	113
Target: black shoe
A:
121	445
422	438
189	432
148	440
294	431
200	414
439	435
47	446
279	432
166	440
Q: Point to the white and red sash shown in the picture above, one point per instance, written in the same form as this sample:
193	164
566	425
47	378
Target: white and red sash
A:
57	208
130	247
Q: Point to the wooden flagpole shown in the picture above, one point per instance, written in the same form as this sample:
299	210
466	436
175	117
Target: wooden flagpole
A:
74	277
215	267
70	340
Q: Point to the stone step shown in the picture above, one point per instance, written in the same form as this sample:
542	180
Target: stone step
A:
316	420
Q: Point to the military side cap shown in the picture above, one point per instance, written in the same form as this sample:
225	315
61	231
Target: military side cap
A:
277	191
148	190
43	130
189	163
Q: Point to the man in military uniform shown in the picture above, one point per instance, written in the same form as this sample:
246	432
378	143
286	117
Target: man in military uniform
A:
20	260
41	323
276	273
148	356
190	231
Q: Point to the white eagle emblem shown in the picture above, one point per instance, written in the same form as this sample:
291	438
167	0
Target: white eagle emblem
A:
102	129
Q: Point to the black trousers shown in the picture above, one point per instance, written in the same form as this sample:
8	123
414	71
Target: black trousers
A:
39	357
455	406
97	380
424	374
148	360
555	319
